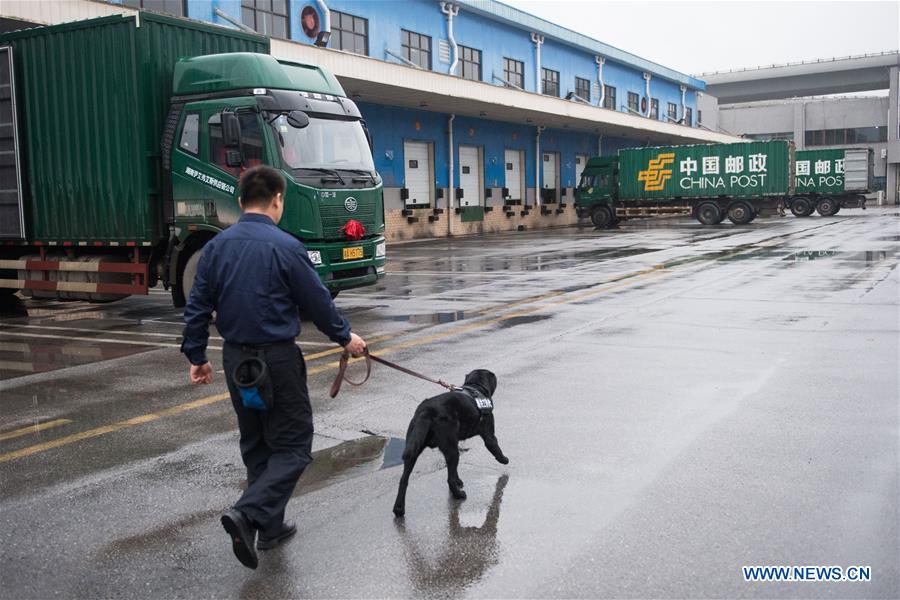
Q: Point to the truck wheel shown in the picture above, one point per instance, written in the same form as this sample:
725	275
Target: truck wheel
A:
708	213
740	213
601	217
189	272
827	207
802	207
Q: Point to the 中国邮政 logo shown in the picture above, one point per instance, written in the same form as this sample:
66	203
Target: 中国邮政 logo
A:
656	175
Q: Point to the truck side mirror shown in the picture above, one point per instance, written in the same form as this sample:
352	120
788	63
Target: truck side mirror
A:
231	130
298	119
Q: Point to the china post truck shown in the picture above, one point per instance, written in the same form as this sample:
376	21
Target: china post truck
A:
124	138
711	181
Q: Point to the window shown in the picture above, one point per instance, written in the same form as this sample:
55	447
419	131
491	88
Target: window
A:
688	116
583	88
268	17
672	112
633	101
609	97
349	33
190	134
170	7
471	63
550	82
251	142
699	116
417	48
514	72
654	108
853	135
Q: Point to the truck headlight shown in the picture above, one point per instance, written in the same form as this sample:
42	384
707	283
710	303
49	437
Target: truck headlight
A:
380	250
315	256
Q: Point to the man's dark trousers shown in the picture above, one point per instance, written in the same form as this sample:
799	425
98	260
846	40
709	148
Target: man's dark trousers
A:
276	444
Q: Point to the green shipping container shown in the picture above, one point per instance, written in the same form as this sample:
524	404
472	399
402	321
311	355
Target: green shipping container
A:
742	170
820	171
91	99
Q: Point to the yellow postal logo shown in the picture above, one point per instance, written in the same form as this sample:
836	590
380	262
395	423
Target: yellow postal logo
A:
656	175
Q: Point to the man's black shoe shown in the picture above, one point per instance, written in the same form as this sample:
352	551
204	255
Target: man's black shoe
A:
242	537
267	542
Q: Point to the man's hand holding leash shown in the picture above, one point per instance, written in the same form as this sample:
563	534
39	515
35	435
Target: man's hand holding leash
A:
356	346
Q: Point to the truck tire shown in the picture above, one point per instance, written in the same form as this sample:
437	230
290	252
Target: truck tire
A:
802	207
186	281
601	217
740	213
709	213
827	207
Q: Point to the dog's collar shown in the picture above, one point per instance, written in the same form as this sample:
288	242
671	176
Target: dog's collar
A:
483	403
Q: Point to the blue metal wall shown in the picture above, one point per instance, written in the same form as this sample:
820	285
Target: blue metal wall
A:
390	127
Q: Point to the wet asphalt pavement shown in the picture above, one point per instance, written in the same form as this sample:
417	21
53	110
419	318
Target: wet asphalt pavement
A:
677	401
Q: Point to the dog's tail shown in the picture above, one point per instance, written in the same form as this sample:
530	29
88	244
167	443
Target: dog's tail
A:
416	436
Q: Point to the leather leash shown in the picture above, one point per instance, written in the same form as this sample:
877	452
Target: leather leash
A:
345	360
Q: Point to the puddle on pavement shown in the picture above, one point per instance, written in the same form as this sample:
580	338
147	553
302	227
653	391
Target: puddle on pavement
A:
867	256
349	460
610	253
12	307
523	320
430	319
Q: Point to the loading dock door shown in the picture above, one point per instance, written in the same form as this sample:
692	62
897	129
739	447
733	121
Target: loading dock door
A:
551	171
514	170
418	173
470	175
580	163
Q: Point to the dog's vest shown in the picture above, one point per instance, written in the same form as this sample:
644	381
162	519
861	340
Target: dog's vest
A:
484	404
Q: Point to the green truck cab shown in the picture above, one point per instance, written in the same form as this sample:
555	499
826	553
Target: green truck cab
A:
129	134
597	192
238	110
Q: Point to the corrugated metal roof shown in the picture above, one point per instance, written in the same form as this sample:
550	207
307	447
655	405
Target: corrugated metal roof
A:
503	12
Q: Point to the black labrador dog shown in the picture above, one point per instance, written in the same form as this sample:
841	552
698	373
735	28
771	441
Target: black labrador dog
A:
441	421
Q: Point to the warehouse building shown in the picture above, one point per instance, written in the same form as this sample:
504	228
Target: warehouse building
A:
482	116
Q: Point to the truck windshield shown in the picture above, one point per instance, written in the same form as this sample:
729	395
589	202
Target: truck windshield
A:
588	181
323	144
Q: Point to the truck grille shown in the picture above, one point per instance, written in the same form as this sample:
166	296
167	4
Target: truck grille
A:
335	216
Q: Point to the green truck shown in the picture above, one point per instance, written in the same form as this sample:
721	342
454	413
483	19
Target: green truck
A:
830	179
711	181
123	141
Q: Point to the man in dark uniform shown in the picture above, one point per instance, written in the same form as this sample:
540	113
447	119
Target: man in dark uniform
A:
257	278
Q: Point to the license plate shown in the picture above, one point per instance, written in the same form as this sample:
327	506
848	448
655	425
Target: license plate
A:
353	253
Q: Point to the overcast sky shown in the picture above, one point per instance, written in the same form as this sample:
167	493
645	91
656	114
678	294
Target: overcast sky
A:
694	37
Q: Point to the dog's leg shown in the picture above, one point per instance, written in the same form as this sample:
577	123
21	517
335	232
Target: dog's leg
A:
450	448
493	446
409	464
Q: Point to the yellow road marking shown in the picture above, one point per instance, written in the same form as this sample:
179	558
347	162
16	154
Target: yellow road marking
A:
33	429
90	433
605	287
